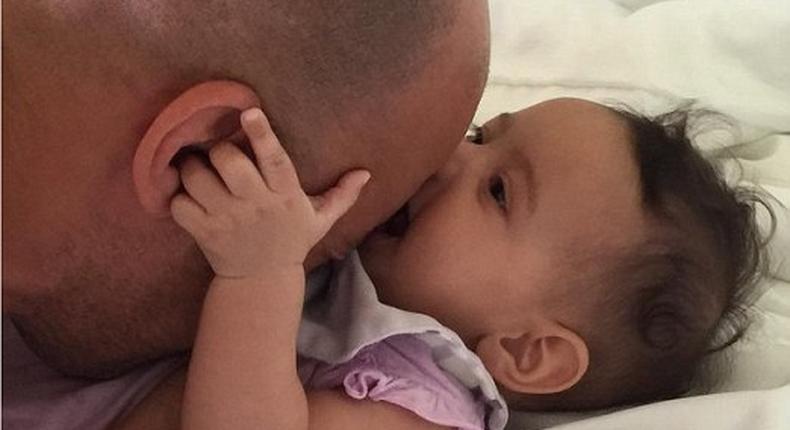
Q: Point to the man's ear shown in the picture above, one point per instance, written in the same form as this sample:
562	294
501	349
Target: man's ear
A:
548	359
200	116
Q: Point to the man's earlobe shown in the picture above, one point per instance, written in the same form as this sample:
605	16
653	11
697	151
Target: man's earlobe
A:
547	360
207	112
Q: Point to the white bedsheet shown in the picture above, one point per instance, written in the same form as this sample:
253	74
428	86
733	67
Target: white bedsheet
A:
731	56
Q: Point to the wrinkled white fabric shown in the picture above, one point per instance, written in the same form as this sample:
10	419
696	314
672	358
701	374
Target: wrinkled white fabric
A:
730	56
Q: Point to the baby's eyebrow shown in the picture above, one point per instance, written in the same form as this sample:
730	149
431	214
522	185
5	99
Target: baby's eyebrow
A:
498	124
504	120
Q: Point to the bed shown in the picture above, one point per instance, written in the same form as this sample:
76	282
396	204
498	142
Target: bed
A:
729	56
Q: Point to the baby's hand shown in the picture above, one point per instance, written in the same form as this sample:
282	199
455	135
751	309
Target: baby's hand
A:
252	221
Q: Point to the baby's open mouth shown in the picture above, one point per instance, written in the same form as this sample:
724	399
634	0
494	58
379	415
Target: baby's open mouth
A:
398	222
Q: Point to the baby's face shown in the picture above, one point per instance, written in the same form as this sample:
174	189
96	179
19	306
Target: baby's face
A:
492	232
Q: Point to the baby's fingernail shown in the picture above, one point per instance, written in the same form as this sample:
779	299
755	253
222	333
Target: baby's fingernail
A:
253	119
252	114
365	177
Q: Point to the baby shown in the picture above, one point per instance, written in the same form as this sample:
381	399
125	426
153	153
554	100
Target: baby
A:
588	257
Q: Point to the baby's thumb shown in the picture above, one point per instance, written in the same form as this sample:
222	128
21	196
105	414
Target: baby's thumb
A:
334	203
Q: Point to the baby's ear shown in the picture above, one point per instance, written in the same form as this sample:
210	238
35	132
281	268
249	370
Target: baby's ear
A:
548	359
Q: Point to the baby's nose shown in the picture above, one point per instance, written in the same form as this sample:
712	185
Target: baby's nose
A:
457	162
427	192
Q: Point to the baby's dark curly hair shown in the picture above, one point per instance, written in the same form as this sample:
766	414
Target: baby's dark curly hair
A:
686	293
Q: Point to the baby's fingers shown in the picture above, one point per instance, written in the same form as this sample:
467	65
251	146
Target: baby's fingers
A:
236	170
334	203
203	185
273	162
187	213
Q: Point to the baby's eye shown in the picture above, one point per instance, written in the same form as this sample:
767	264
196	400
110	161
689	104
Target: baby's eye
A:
475	134
496	187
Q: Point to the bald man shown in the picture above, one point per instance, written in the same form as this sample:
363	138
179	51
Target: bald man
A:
101	98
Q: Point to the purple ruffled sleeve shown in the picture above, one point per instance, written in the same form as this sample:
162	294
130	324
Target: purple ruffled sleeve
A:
401	370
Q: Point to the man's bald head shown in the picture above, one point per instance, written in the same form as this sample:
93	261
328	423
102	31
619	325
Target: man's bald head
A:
345	83
389	86
334	55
